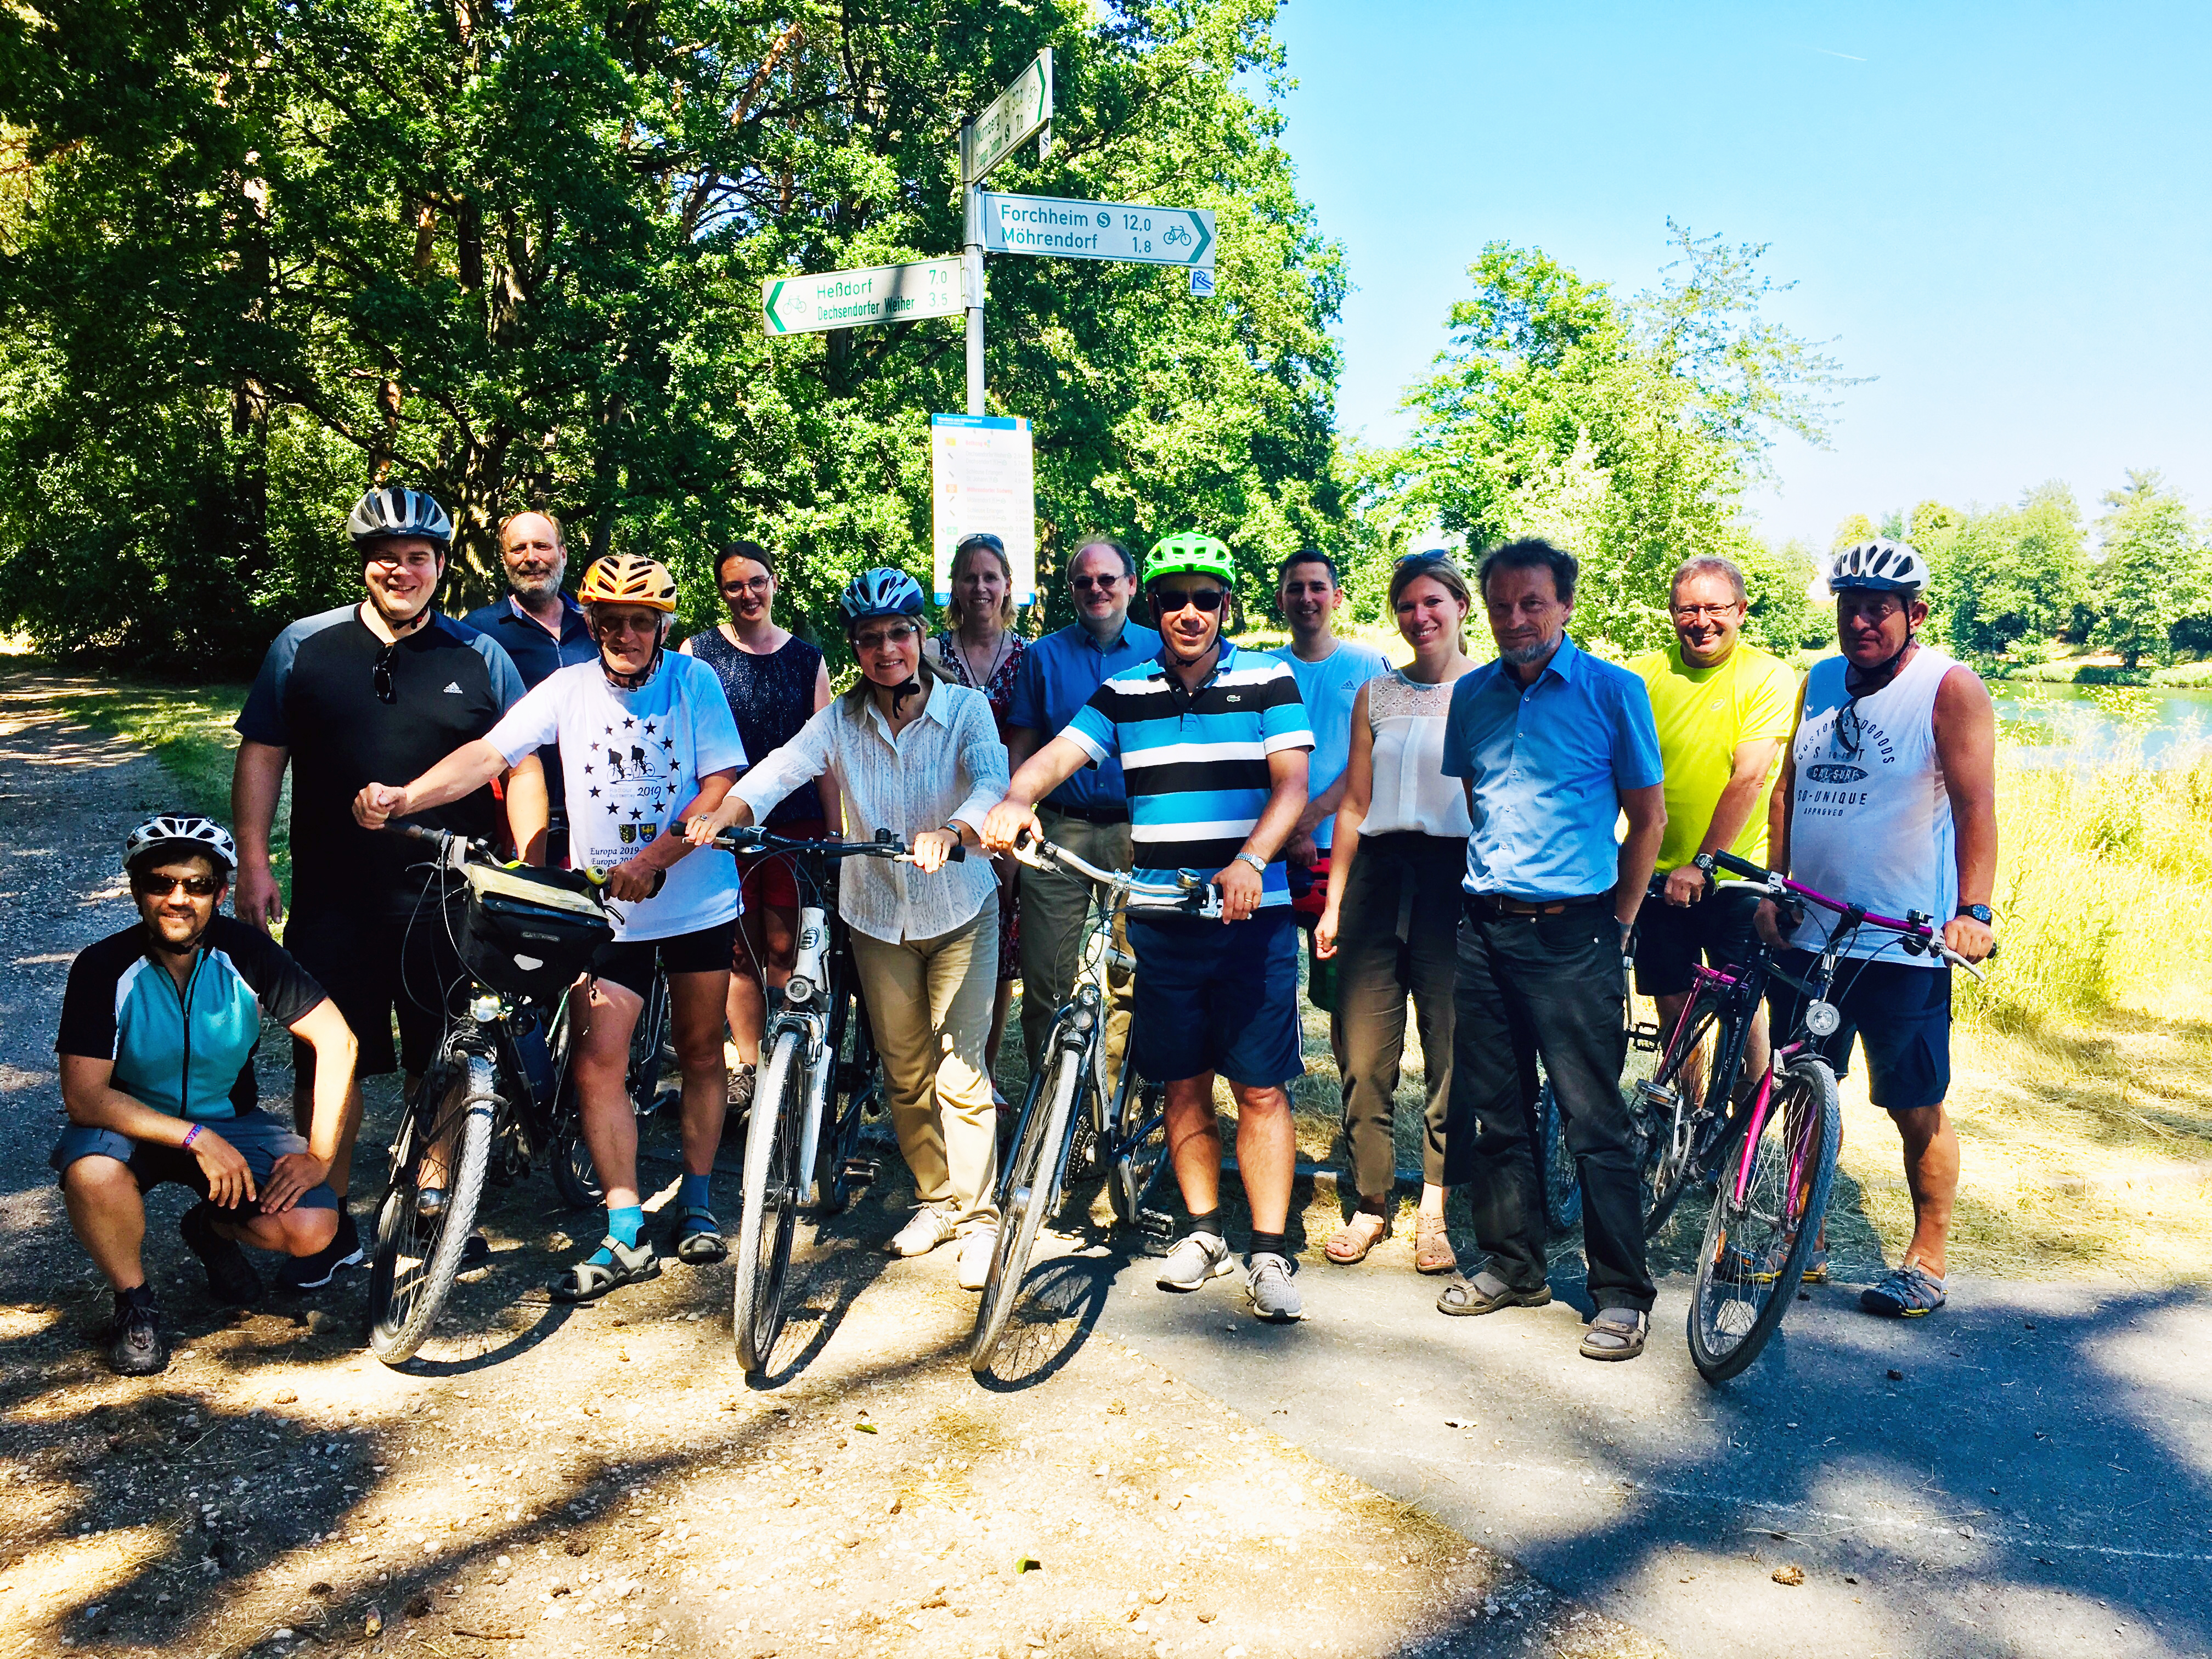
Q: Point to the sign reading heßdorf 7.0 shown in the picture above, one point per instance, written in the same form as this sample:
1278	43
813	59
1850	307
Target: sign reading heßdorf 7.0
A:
1097	230
855	299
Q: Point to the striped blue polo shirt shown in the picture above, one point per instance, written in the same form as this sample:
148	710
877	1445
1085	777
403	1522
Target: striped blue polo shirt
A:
1195	764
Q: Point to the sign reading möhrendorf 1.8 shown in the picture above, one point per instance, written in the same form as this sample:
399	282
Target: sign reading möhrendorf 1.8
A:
855	299
1097	230
981	478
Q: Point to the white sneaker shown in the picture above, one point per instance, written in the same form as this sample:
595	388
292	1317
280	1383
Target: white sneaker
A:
925	1229
976	1250
1196	1258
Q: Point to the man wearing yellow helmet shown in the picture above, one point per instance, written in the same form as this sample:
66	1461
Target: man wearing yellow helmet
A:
647	740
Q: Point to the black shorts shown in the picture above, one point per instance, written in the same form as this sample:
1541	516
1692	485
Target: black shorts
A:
629	962
1668	937
259	1138
379	968
1900	1010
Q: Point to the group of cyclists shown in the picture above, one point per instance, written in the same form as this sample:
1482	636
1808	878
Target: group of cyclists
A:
1447	830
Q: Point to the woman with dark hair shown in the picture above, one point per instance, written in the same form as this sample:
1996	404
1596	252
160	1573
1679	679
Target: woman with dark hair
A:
980	650
774	682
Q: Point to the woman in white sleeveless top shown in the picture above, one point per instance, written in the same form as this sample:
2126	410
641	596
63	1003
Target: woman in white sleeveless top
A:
1394	905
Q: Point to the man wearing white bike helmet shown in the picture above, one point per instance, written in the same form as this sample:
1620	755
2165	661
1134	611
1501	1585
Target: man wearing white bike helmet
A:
1887	798
159	1026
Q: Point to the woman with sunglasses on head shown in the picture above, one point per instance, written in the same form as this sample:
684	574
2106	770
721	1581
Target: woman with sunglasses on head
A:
1392	916
918	755
776	682
981	651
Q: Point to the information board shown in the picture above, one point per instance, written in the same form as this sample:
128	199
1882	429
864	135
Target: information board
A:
981	478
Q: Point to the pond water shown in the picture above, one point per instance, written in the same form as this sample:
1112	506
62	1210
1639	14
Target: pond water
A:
2088	726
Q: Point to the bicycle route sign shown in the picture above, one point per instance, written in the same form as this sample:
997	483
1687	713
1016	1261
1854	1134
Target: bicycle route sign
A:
855	299
1129	231
1014	115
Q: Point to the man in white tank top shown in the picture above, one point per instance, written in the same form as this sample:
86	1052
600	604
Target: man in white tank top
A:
1888	798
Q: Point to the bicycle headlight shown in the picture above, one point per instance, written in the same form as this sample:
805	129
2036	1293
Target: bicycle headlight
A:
485	1008
1085	1018
797	991
1821	1019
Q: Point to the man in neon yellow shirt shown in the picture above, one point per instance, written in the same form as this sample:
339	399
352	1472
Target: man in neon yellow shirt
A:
1724	709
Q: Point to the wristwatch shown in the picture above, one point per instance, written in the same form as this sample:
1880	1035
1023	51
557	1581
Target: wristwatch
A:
1254	861
1980	913
1704	863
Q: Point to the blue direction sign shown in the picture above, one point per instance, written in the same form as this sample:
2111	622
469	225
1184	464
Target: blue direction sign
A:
1097	230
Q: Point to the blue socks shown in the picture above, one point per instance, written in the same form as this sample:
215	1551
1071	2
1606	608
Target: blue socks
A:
693	1195
624	1226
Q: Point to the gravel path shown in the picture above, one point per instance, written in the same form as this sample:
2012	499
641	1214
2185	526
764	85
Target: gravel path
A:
553	1481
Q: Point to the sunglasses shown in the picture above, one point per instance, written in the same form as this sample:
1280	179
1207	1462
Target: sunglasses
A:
380	674
1206	600
1084	584
155	887
877	639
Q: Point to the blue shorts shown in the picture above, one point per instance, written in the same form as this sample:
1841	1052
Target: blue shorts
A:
1218	998
260	1140
1900	1011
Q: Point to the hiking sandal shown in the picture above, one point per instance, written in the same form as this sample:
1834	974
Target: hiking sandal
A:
1910	1292
1432	1248
1352	1242
589	1281
1464	1298
1616	1334
698	1238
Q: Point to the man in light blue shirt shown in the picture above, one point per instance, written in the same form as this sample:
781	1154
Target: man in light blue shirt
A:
1554	745
1329	672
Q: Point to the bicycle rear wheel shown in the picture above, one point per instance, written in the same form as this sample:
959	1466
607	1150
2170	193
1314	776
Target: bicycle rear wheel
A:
413	1260
1028	1190
771	1205
649	1053
1669	1124
1756	1243
855	1101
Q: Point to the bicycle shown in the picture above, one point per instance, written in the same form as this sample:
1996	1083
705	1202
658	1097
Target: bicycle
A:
574	1176
1770	1155
525	936
1130	1144
803	1143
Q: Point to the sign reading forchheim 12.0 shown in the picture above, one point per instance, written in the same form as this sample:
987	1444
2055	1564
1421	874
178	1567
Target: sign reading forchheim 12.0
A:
856	299
982	478
1128	231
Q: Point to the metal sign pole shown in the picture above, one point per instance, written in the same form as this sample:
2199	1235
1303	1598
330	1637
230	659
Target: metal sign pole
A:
972	218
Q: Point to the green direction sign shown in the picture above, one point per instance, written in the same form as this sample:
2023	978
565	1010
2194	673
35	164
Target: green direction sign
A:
1015	114
1097	230
855	299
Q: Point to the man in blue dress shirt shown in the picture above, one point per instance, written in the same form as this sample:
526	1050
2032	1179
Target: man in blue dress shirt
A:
1554	745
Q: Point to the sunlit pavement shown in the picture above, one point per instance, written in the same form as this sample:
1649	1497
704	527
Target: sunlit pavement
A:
2035	1482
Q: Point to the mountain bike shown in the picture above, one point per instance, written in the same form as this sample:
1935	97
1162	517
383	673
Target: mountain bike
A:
1069	1117
525	936
1769	1151
817	1085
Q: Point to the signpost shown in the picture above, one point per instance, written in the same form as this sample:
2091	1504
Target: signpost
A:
855	299
1024	108
982	478
1127	231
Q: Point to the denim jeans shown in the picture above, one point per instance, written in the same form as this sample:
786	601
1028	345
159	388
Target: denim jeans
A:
1549	987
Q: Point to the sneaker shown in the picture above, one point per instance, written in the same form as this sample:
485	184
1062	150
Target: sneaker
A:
1910	1292
976	1250
312	1273
231	1278
136	1346
1267	1286
1195	1258
925	1229
739	1096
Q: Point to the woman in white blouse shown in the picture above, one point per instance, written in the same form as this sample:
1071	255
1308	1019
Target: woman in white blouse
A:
914	754
1394	906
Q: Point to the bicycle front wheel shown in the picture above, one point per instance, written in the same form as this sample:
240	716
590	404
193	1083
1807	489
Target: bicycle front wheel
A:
1027	1191
770	1216
1773	1194
414	1258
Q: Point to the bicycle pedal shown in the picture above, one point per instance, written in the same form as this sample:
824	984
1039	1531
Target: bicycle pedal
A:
1156	1228
862	1171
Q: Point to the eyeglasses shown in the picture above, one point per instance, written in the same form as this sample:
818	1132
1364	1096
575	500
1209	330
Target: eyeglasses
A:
875	639
649	623
1690	613
1084	584
380	674
1206	600
750	585
159	886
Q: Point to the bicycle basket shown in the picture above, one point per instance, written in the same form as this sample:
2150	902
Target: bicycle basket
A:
527	938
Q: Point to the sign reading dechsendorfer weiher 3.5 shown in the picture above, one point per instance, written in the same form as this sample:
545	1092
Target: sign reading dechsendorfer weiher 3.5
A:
1129	231
856	299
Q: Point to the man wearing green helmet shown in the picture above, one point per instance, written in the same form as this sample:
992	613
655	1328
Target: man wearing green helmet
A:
1213	742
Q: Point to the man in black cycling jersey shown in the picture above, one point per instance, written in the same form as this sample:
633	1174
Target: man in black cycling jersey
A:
158	1030
379	690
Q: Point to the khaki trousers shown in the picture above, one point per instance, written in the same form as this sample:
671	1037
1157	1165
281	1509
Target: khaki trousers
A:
1054	907
929	1005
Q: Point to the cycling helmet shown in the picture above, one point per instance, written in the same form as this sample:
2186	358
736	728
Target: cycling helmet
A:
626	578
1187	552
880	593
1886	566
383	513
185	831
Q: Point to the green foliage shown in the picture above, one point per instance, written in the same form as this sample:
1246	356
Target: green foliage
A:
269	252
2008	577
2154	570
1782	619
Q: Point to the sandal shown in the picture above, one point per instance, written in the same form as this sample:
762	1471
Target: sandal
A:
1432	1249
698	1238
589	1281
1465	1298
1617	1333
1910	1292
1352	1242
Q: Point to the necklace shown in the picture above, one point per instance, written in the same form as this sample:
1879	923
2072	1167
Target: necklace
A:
968	663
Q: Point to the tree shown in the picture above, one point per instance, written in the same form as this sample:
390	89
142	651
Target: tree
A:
513	253
2008	578
2153	571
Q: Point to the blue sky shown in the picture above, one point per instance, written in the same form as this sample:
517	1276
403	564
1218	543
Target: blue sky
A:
2000	213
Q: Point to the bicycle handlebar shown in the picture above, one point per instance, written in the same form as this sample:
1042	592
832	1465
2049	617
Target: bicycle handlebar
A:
455	851
753	839
1919	935
1192	894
